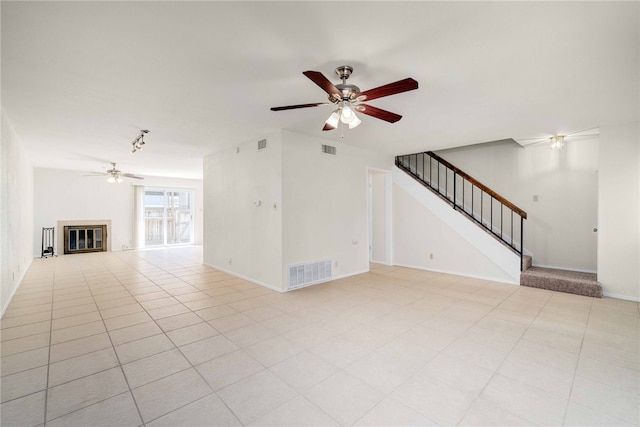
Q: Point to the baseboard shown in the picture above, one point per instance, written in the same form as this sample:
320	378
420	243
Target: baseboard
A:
15	289
618	296
243	277
472	276
381	263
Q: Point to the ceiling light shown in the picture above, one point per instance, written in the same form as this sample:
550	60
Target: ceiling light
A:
118	179
332	121
111	179
139	141
355	122
347	113
557	142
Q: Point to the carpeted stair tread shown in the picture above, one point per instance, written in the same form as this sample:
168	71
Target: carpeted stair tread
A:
573	282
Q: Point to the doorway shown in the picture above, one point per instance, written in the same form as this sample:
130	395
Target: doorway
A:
379	214
168	217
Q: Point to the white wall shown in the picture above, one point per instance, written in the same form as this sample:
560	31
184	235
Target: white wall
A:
239	236
325	203
424	225
559	229
61	195
619	211
16	220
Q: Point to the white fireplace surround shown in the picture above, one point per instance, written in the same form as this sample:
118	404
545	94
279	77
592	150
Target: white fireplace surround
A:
60	231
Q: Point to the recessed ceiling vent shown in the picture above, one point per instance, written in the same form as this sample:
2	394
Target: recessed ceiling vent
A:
262	144
309	273
329	149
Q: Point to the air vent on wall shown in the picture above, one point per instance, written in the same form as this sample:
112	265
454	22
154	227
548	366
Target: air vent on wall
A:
262	144
329	149
308	273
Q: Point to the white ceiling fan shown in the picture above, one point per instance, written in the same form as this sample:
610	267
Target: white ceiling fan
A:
114	175
557	141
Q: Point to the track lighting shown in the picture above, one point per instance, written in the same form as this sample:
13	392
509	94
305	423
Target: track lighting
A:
138	143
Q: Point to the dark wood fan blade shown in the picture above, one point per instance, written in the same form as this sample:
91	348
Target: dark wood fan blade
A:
379	113
389	89
293	107
318	78
327	126
128	175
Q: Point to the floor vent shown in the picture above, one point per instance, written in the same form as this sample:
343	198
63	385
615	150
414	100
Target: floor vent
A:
329	149
262	144
308	273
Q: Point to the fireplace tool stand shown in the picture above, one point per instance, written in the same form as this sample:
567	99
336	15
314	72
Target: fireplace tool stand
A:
48	234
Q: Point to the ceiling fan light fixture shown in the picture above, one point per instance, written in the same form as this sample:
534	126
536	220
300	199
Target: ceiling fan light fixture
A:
557	142
118	179
347	114
355	122
333	119
111	179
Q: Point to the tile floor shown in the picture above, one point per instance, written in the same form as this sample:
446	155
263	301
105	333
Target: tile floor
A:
155	338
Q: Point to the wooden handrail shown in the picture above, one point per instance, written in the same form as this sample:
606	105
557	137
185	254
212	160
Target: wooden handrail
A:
478	184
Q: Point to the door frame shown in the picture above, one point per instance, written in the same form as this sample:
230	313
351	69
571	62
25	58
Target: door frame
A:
388	223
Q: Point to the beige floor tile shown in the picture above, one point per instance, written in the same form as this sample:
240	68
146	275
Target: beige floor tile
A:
121	311
159	303
263	313
24	320
457	373
580	416
525	401
249	335
30	309
344	397
612	375
81	366
152	368
169	393
433	338
439	402
74	332
135	332
216	312
303	371
606	400
119	302
545	355
25	330
485	413
547	378
74	395
228	323
192	333
203	303
296	412
208	411
79	347
484	356
391	412
207	349
123	321
274	350
23	383
144	347
75	310
23	412
168	311
20	345
611	355
118	411
228	369
78	319
150	296
256	395
177	322
23	361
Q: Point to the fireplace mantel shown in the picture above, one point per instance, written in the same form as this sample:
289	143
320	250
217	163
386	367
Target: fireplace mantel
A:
60	231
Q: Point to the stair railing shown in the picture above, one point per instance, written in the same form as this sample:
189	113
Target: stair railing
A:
497	215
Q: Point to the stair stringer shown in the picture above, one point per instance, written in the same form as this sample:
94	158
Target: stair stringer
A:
501	256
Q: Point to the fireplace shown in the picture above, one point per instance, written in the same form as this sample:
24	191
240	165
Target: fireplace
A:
82	236
85	238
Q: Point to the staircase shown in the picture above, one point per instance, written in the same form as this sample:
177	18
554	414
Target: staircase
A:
571	282
486	208
496	215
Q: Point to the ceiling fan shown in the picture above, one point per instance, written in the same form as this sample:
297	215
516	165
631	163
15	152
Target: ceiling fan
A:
557	142
114	175
348	98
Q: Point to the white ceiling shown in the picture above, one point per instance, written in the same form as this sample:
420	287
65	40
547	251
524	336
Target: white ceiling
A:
80	79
